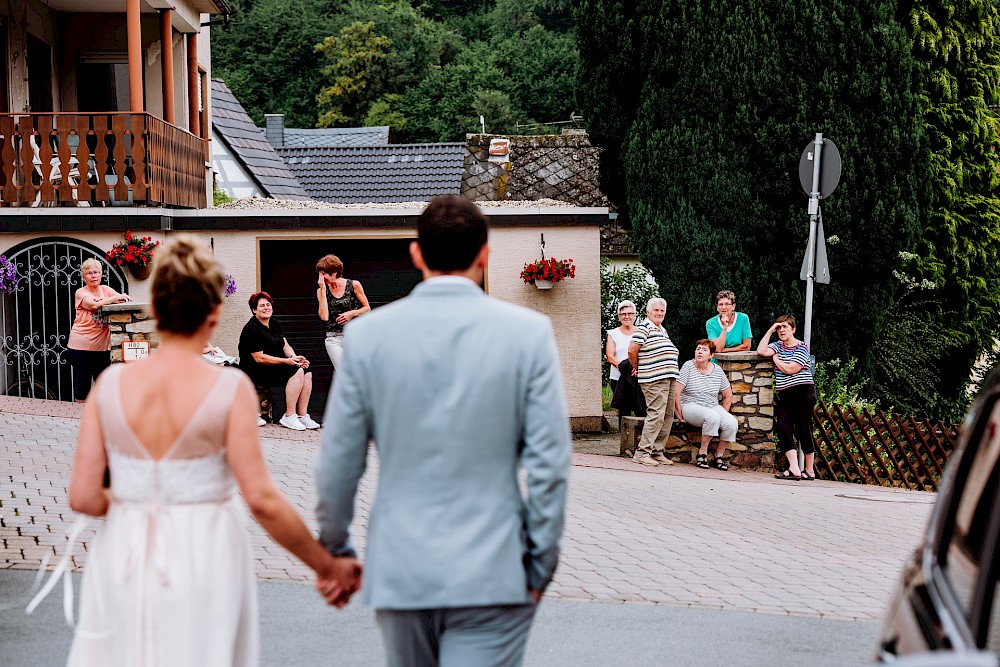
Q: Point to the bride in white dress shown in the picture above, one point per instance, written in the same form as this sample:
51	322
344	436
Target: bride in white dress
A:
169	579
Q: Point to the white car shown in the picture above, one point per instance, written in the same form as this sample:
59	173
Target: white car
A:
946	602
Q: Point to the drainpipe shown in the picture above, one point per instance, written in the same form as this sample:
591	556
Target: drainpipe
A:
167	51
134	26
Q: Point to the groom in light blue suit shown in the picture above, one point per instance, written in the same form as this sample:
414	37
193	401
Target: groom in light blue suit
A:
458	391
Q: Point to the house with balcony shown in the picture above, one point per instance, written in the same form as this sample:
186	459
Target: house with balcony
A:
106	118
104	107
105	101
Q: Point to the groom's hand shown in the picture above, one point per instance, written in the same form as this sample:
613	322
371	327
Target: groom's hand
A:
338	583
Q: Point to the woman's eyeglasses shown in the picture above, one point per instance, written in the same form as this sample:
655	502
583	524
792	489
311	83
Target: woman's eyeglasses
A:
628	314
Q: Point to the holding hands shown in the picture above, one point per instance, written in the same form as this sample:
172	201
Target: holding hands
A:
338	579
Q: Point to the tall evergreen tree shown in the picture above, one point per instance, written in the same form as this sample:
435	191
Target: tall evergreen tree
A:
959	251
726	93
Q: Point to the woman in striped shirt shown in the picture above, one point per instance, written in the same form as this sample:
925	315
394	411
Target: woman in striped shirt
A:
796	396
698	389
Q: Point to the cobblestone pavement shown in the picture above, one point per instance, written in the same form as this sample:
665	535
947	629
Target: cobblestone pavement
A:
676	536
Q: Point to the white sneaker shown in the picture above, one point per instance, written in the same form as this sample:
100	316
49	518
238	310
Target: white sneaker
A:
292	422
307	421
261	421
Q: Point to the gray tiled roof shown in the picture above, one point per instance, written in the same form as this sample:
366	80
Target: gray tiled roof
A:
379	174
336	137
247	144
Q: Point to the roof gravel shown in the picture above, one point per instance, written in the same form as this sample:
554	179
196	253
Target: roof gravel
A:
285	204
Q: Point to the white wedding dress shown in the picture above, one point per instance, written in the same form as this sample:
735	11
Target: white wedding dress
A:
169	581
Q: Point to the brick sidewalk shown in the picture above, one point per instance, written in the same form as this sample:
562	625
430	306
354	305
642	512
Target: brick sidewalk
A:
678	536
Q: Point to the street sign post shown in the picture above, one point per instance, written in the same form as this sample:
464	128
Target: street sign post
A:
819	174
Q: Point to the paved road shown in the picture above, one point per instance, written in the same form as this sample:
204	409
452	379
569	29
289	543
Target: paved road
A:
645	540
298	630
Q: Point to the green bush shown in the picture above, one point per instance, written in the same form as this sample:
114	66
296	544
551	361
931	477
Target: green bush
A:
606	396
834	384
631	282
219	197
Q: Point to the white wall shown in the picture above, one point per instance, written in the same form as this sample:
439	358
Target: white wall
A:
572	305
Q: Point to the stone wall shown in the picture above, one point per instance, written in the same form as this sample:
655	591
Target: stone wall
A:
130	321
752	380
561	167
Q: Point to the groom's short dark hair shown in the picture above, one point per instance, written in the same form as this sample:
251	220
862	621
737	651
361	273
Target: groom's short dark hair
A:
451	231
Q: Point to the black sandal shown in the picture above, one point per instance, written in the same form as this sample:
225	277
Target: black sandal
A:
720	463
808	476
787	476
701	461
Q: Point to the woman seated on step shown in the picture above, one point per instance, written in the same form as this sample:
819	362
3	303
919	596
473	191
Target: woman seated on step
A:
270	361
697	403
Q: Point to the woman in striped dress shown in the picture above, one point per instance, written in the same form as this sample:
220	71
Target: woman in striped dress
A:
795	399
697	403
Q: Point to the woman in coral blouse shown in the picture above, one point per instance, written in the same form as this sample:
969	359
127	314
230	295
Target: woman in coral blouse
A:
90	338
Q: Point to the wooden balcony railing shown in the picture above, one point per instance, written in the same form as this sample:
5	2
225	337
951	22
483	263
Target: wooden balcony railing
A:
102	159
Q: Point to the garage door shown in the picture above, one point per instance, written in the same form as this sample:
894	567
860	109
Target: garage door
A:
288	274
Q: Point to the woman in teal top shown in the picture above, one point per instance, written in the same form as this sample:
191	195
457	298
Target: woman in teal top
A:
729	330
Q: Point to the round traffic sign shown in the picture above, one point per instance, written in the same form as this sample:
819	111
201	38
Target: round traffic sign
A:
829	168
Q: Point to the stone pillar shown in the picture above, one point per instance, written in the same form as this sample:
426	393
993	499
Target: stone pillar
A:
752	379
130	321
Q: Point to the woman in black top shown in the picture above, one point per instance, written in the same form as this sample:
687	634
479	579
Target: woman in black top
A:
336	310
270	361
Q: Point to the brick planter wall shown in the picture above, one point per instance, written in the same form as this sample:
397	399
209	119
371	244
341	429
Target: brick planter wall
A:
130	321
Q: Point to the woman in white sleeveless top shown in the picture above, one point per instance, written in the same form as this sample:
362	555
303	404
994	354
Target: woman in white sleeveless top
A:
170	579
616	349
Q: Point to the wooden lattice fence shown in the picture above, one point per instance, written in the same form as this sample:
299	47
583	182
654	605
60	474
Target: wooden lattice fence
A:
868	447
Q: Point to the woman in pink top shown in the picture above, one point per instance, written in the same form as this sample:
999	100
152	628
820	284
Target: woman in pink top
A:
90	339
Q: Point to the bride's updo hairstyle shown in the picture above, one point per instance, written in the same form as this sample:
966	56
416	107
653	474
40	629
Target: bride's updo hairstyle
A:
187	284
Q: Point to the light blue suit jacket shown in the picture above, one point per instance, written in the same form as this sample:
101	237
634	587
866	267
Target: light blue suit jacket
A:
457	390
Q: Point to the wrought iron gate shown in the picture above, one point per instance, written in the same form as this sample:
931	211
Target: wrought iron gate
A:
35	319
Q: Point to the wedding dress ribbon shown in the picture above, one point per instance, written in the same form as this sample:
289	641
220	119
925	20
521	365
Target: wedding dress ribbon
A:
61	571
146	543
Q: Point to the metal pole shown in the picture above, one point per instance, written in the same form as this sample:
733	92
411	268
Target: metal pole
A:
811	254
811	249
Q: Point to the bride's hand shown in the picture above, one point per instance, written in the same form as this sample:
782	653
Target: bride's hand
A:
338	580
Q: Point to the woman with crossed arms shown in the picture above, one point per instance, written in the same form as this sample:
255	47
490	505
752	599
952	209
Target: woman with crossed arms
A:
730	331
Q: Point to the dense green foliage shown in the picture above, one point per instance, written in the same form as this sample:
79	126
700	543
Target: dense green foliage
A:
630	283
711	103
959	252
267	56
426	68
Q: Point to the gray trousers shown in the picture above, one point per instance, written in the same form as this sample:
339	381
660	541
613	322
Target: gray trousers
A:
459	637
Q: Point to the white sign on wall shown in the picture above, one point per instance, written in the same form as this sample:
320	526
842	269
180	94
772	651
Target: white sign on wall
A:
134	350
